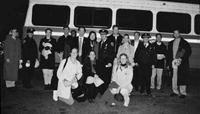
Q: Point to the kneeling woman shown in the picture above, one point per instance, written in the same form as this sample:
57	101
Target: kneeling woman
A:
90	74
122	75
69	72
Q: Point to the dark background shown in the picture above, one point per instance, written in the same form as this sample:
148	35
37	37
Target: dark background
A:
13	14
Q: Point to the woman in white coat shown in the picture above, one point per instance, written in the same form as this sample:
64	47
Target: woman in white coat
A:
69	72
122	75
126	48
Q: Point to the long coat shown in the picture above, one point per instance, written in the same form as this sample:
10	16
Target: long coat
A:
183	69
12	51
68	73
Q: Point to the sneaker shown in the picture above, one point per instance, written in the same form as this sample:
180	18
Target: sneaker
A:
173	95
112	104
182	96
55	95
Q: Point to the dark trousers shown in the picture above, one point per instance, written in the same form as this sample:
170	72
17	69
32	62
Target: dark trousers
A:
145	78
91	91
79	91
27	76
54	80
105	75
3	84
28	72
136	80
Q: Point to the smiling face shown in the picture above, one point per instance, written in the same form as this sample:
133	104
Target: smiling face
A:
14	33
92	55
158	38
136	36
81	32
48	33
30	34
74	53
123	59
66	31
176	34
92	36
125	39
115	30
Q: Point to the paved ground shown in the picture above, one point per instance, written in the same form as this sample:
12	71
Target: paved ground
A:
38	101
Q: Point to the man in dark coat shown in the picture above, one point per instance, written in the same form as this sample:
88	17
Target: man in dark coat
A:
116	37
64	43
136	42
82	44
145	58
179	51
29	56
106	57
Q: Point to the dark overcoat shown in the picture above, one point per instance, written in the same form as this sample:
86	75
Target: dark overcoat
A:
183	69
12	51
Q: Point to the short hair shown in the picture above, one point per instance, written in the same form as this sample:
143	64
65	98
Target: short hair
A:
65	26
48	29
80	28
136	32
114	26
11	30
126	35
158	35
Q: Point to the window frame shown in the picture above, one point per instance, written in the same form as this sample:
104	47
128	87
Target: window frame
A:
128	28
50	23
93	9
187	32
195	25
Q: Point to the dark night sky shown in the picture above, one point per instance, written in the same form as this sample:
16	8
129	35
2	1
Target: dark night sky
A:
14	12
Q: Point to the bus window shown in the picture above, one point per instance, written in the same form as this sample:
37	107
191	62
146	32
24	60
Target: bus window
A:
134	19
93	17
197	23
50	15
170	21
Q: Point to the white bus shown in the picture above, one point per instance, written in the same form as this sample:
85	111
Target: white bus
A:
129	15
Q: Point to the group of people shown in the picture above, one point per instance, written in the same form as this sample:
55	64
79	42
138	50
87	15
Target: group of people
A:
93	65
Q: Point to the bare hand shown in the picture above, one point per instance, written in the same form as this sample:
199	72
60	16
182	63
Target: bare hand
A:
108	65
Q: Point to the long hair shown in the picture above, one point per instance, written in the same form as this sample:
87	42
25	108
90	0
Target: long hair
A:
94	35
127	61
88	58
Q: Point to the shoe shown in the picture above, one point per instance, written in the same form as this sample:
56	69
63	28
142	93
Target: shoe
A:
173	95
182	96
90	101
112	104
55	95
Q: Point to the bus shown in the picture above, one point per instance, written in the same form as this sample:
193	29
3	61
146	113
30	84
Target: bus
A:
129	15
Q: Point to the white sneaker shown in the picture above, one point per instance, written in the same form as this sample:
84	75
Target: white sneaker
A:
55	95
